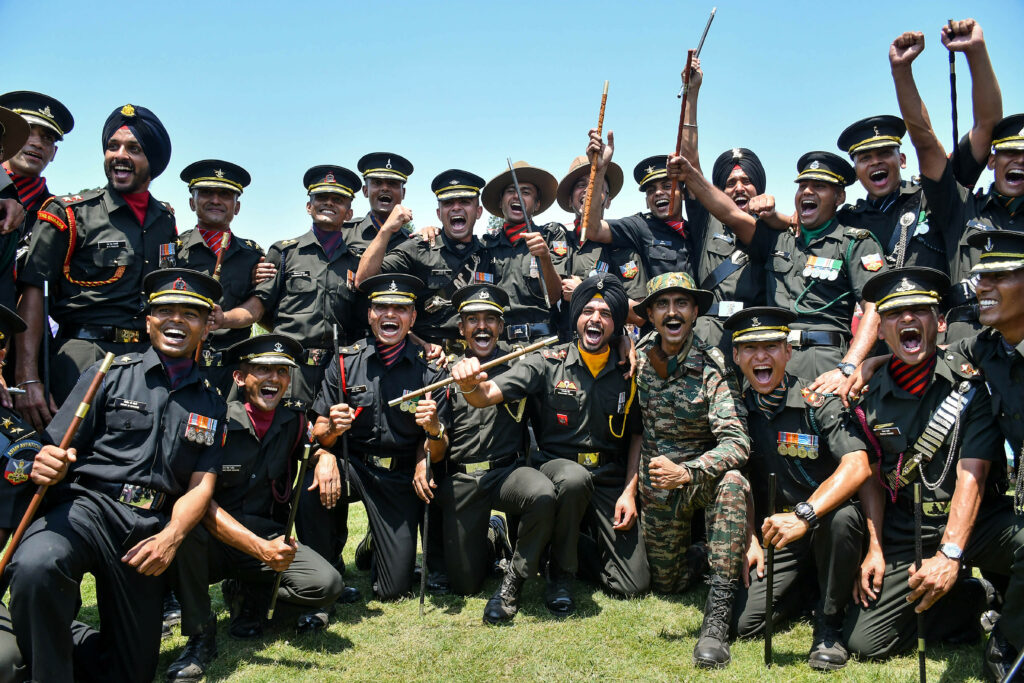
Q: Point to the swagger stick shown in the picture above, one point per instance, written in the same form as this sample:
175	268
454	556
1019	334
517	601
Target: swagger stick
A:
341	399
918	552
952	88
700	44
426	536
769	576
47	333
303	466
486	366
76	421
224	242
593	167
529	227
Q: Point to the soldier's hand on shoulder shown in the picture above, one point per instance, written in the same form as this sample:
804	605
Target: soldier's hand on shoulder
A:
51	465
828	382
341	417
905	49
782	529
933	580
467	374
428	233
962	36
12	215
263	271
278	553
665	474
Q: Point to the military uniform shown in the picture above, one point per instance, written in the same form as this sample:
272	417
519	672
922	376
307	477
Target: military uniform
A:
583	435
592	257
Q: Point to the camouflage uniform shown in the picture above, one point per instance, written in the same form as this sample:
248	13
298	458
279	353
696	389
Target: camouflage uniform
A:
694	416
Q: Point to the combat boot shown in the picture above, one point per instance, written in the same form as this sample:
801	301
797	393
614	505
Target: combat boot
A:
172	613
828	653
364	553
497	536
999	656
558	592
199	653
504	604
247	620
712	649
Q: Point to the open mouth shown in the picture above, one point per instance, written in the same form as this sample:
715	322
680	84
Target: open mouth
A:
458	222
516	207
741	201
384	199
269	392
390	327
32	154
986	304
763	373
808	207
674	325
483	337
175	335
328	211
910	339
1015	176
122	170
592	334
879	177
661	204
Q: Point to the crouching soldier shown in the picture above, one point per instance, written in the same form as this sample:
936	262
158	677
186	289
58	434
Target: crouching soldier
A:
820	460
693	446
241	539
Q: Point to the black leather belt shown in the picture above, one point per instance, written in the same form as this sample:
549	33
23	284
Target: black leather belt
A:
316	356
130	494
724	309
487	465
963	314
107	333
390	462
929	508
815	338
527	331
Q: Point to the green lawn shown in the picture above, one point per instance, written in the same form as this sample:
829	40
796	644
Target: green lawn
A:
649	639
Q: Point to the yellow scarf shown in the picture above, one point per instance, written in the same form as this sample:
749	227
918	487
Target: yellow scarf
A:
595	361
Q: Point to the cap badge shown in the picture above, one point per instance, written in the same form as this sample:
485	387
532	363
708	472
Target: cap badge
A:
45	111
600	285
393	287
876	131
736	153
329	178
453	181
988	244
650	169
815	165
180	285
905	285
388	165
127	110
219	173
279	347
485	294
754	322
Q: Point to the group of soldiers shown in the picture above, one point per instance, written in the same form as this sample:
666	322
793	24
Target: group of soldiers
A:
650	401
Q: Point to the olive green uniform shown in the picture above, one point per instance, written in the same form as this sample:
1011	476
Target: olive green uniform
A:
487	469
97	299
896	419
802	442
821	281
583	433
516	271
662	248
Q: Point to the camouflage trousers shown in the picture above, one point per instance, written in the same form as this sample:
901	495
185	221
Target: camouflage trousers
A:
665	519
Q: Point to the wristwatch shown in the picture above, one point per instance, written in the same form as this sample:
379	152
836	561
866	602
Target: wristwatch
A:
846	368
952	551
805	511
440	434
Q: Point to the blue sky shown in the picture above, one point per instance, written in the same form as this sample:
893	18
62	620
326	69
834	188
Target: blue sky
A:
280	87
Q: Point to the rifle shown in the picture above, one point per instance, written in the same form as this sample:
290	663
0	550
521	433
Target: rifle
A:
46	342
952	89
341	399
593	168
224	242
303	466
769	594
529	227
486	366
65	442
918	552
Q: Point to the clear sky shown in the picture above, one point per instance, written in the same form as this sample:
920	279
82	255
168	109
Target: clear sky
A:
278	87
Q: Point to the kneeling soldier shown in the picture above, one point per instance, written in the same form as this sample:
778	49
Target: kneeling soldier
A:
488	460
241	538
694	444
920	410
820	459
588	438
148	453
388	450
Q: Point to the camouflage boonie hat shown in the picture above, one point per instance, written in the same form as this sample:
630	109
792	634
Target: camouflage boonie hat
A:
674	281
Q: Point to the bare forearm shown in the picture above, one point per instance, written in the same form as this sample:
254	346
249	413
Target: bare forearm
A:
721	207
192	506
987	101
930	154
963	509
872	502
323	434
552	282
373	257
486	394
633	466
228	530
245	315
864	340
851	474
30	308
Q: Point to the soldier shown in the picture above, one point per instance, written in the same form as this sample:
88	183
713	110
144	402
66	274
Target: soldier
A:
216	188
14	131
241	538
920	411
818	274
148	452
954	211
385	175
109	239
487	457
820	458
693	447
588	436
388	446
588	258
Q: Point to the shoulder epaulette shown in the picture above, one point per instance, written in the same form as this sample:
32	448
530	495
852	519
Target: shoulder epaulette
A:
295	404
646	215
814	399
287	243
206	383
128	359
83	196
252	245
716	356
961	366
554	354
168	207
857	233
354	348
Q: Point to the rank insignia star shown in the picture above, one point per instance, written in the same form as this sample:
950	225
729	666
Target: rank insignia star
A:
7	423
650	169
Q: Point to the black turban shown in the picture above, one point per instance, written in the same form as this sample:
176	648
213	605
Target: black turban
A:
746	160
147	129
609	287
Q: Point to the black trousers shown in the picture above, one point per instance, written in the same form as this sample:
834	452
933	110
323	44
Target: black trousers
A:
309	581
323	530
86	532
467	500
12	668
827	557
584	512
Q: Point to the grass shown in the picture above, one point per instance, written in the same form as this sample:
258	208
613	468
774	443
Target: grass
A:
648	639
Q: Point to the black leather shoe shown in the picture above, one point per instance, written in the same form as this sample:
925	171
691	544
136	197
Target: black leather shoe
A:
172	614
558	593
828	653
999	657
364	553
195	659
313	622
247	621
504	604
437	583
349	595
712	649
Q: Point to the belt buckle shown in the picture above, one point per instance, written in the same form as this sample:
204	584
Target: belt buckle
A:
727	308
383	463
472	467
314	356
123	336
935	508
588	459
139	497
521	331
794	337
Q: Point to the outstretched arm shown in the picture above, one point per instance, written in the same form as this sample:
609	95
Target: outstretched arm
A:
930	154
966	36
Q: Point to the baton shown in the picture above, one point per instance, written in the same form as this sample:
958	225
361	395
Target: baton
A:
952	88
303	466
341	391
593	167
769	592
46	342
426	532
700	44
529	226
918	552
224	241
486	366
65	442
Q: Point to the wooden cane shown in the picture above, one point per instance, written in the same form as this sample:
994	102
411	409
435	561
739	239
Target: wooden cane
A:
676	201
76	421
303	466
593	167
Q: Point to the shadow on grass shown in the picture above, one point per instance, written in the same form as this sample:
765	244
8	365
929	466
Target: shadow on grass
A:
242	653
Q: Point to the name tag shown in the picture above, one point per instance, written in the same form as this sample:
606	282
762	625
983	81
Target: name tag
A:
111	245
886	430
298	273
129	404
230	468
357	389
728	239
